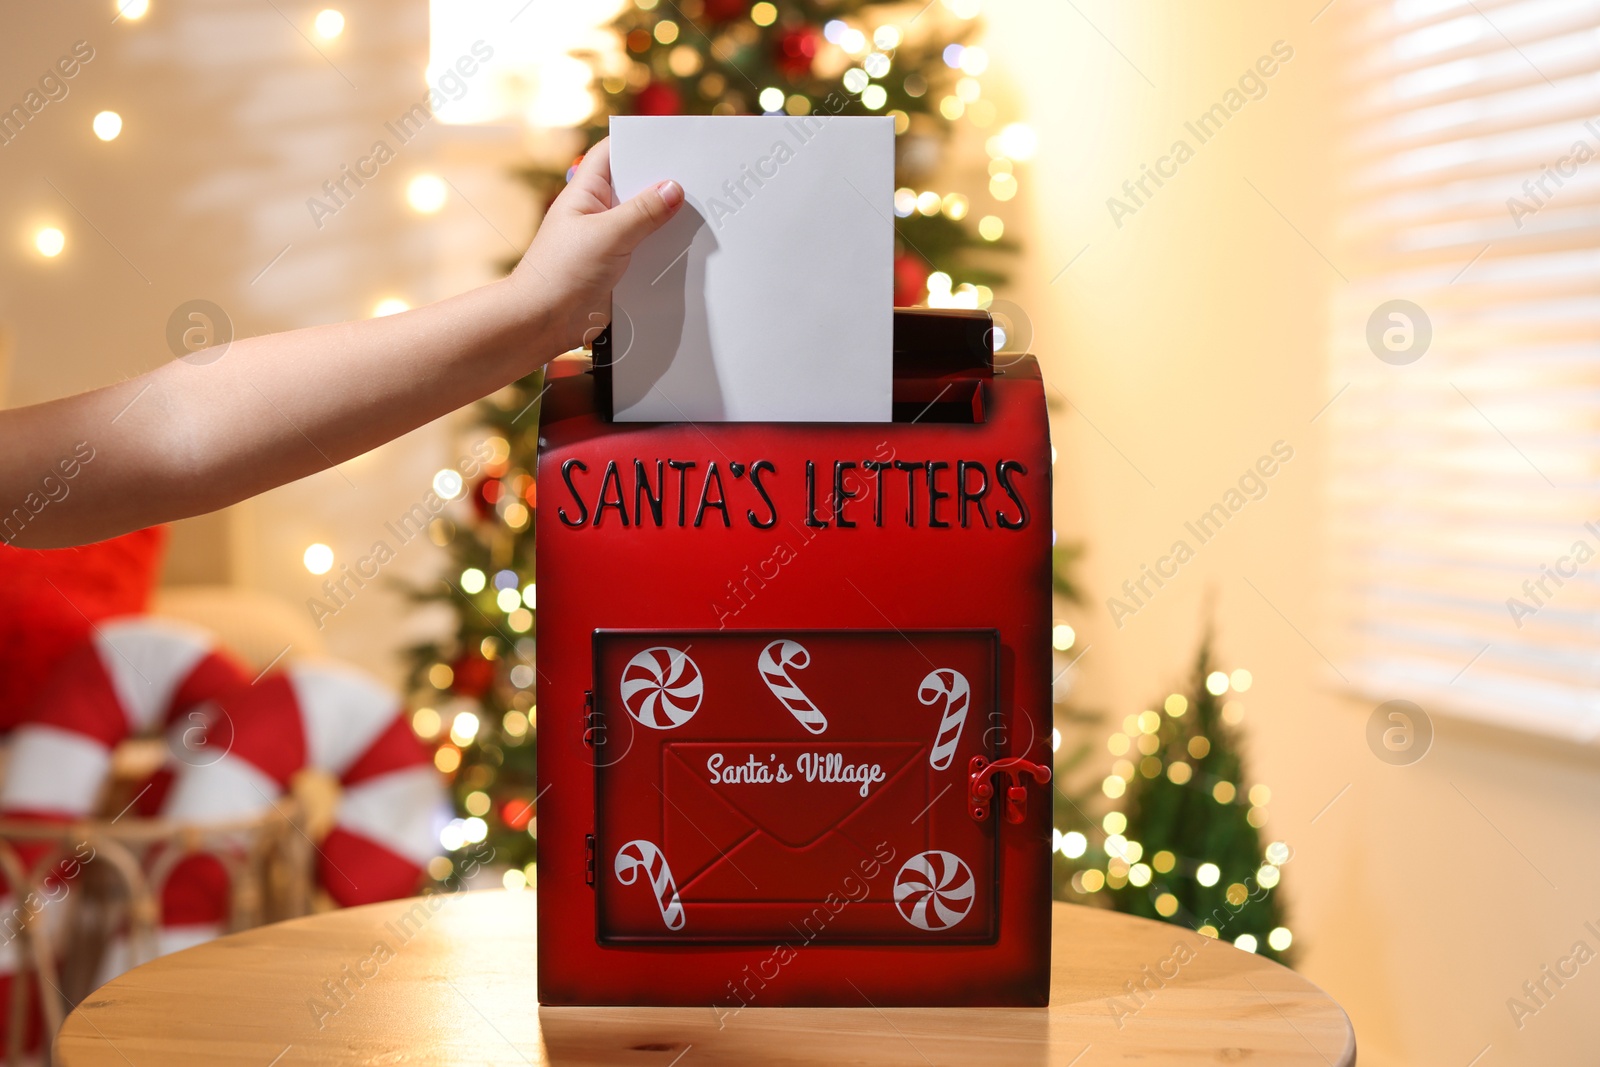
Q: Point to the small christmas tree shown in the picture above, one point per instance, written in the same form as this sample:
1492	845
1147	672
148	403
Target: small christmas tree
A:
1185	846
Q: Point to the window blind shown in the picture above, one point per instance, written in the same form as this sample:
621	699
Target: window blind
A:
1464	508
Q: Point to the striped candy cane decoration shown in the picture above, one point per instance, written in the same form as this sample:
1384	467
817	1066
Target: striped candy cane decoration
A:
333	718
643	854
950	686
134	675
775	661
310	714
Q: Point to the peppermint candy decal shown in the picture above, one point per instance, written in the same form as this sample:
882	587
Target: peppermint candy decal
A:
934	890
662	687
641	854
774	664
952	687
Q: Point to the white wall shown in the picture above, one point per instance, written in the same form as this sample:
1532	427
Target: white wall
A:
1188	341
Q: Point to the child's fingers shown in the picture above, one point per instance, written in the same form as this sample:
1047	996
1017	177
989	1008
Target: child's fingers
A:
633	220
596	163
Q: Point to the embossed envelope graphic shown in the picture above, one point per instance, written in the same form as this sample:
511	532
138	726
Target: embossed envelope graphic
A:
798	786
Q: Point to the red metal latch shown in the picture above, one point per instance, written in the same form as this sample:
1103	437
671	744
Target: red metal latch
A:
594	727
980	790
588	859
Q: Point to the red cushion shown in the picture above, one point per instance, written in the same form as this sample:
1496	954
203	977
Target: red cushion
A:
50	598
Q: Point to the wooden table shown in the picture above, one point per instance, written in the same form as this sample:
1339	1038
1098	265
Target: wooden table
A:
461	990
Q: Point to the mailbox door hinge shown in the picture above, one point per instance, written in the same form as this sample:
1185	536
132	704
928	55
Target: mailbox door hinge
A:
588	860
594	728
980	789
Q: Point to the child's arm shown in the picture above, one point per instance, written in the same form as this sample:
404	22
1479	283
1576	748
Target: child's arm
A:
185	439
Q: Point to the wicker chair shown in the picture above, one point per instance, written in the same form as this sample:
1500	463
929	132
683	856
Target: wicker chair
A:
65	942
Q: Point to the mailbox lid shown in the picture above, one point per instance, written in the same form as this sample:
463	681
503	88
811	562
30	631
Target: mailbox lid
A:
761	786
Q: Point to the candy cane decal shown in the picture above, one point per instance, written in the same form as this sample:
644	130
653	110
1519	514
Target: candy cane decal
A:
952	686
662	687
934	890
636	854
775	661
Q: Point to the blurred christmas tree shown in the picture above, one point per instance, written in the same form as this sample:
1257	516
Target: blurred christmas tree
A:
1185	846
910	61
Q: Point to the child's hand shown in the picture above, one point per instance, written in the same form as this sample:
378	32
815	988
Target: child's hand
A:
583	246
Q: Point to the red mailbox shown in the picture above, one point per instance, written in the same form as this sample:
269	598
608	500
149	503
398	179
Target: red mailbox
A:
794	689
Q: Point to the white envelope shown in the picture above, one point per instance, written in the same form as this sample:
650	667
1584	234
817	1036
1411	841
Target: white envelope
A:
770	296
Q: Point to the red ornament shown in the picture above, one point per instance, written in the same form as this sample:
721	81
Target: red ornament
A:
726	10
657	98
517	813
473	675
485	495
796	49
910	279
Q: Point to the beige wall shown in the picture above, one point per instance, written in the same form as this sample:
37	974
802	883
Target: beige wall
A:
231	121
1188	341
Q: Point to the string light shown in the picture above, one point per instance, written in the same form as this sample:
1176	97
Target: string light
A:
1216	683
106	125
389	305
1017	141
133	9
448	484
328	23
318	558
1208	874
49	241
1246	942
1280	938
473	580
426	193
464	727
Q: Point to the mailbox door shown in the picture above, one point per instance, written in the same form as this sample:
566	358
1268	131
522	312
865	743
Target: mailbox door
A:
787	786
